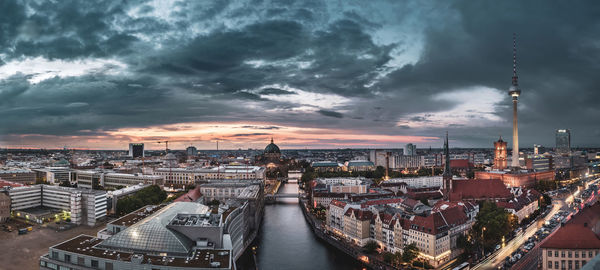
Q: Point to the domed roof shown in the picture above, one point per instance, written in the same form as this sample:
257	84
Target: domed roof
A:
272	148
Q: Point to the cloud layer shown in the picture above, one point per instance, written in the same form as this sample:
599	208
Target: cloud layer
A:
360	74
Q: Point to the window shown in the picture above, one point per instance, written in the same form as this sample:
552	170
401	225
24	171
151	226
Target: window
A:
108	266
63	268
576	264
590	254
80	260
583	254
582	263
94	263
67	258
570	254
562	254
576	254
556	253
55	255
549	264
549	253
556	264
570	264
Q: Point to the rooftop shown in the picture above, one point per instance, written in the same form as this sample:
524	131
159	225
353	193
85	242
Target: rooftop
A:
136	215
88	245
151	235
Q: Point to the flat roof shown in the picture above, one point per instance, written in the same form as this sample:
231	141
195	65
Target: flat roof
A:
136	215
86	245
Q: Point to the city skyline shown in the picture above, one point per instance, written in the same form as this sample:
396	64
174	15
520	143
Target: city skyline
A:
311	75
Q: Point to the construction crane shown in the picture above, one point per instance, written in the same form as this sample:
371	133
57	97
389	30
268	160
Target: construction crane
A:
166	146
170	177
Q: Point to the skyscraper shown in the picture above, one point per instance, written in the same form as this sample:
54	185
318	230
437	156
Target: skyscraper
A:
410	149
136	150
563	141
514	91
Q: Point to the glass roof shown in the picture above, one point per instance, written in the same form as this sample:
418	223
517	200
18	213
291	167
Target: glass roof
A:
151	235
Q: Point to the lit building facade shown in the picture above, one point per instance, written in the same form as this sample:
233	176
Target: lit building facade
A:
563	141
500	154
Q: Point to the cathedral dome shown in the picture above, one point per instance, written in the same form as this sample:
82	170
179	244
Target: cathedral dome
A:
272	148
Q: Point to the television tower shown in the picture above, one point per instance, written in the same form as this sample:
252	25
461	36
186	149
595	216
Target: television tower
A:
514	91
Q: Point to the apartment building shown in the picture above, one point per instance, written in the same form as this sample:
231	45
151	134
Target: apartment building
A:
575	243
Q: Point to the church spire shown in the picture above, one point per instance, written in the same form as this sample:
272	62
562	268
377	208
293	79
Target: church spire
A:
447	170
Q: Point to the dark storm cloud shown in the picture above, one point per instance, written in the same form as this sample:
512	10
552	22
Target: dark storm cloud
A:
331	113
235	61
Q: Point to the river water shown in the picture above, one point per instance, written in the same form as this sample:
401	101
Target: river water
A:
286	242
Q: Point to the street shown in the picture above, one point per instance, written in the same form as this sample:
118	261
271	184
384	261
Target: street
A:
498	257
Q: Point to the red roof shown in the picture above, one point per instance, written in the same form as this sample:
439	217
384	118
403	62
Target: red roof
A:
460	163
4	183
359	214
573	236
437	222
338	203
479	190
191	196
578	233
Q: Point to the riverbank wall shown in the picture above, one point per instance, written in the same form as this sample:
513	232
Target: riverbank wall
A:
318	229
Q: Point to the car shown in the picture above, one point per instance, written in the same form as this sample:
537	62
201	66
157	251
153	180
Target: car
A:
498	247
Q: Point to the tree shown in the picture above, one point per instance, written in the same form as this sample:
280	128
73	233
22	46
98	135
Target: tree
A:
388	257
410	252
370	247
149	195
492	224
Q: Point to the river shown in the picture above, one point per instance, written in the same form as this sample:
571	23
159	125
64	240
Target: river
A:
286	242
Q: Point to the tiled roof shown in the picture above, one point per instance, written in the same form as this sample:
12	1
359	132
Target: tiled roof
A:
578	233
360	214
573	236
479	189
338	203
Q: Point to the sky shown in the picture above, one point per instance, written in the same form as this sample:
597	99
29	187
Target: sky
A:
310	74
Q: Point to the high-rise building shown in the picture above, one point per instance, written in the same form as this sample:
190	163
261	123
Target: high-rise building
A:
500	154
410	149
514	91
537	149
191	151
136	150
563	141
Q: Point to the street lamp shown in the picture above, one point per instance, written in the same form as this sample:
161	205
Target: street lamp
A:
482	246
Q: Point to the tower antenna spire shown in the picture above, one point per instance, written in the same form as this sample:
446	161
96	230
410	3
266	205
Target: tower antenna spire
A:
515	78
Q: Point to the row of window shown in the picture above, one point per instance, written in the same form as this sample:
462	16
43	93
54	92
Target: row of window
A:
570	254
565	264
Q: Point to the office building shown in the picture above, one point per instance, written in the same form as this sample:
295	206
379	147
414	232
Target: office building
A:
112	180
409	162
410	149
22	176
136	150
181	235
563	141
191	176
39	203
53	175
